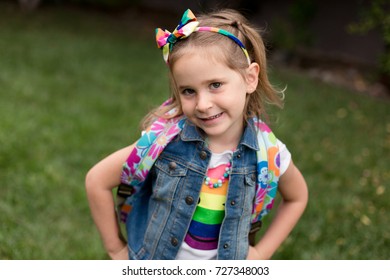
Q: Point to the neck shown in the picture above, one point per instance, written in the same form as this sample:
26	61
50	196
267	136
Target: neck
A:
219	145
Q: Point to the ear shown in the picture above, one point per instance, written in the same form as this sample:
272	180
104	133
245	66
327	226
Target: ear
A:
252	77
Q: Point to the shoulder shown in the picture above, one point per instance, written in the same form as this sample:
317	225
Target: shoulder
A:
292	184
285	156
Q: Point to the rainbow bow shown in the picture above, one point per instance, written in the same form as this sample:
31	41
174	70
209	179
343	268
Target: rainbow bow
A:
166	39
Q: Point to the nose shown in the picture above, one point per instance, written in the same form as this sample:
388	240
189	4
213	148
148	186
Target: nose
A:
203	102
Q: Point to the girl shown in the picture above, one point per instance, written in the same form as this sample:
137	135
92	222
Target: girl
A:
197	200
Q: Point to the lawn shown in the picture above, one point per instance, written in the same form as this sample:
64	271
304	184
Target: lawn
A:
74	86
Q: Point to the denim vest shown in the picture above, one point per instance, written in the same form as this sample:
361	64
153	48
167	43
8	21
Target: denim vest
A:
163	210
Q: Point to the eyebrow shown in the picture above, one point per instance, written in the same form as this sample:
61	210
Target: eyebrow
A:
207	82
181	88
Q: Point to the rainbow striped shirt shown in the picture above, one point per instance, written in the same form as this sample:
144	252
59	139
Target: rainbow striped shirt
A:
202	237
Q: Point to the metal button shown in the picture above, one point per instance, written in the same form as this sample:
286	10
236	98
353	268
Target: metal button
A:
174	241
233	202
203	155
172	165
189	200
225	246
239	156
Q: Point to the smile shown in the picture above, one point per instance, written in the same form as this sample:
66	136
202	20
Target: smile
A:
212	117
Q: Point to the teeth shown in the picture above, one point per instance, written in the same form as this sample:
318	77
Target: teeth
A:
214	117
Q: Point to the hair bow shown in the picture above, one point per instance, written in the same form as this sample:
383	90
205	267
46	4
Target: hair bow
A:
166	39
187	25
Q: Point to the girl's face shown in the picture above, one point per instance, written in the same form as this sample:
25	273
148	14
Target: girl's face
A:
213	96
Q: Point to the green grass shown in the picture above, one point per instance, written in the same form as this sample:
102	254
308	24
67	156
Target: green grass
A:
73	88
341	142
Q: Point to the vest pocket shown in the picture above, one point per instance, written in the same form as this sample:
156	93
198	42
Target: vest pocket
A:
169	174
250	184
250	179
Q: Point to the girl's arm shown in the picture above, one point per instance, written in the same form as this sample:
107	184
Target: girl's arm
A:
293	188
99	182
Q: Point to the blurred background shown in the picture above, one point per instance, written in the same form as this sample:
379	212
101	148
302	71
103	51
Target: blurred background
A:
77	76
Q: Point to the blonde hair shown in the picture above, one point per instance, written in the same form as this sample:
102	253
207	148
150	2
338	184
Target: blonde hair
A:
235	23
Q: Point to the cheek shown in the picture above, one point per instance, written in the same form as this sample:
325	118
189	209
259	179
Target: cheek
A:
237	99
186	106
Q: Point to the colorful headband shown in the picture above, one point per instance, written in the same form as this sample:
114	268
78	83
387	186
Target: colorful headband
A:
187	25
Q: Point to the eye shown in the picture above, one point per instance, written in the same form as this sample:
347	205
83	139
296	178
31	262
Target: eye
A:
215	85
188	91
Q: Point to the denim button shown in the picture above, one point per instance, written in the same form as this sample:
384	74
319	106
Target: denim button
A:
172	165
189	200
174	241
203	155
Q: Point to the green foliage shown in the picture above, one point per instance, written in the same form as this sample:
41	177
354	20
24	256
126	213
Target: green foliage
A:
74	91
301	14
376	16
292	31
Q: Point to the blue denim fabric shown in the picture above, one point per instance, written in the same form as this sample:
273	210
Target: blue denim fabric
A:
163	209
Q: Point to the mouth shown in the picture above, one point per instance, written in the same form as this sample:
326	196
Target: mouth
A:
212	117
